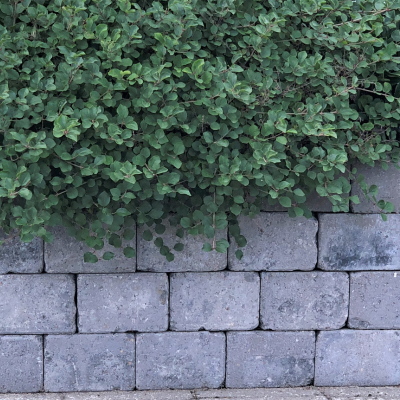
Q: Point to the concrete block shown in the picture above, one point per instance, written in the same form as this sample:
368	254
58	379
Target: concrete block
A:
276	242
304	300
180	360
269	359
65	255
121	303
354	242
89	362
33	304
214	301
357	358
21	361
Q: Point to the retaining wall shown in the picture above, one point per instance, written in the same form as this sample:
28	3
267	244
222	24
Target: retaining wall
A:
312	301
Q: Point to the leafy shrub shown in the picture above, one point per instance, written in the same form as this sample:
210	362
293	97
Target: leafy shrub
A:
115	112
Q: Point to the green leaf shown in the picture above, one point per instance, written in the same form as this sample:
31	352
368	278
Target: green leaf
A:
129	252
90	258
285	201
108	255
147	235
103	199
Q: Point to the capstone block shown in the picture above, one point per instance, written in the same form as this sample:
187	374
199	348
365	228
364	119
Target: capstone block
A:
180	360
354	242
214	301
270	359
89	362
304	300
33	304
276	242
121	303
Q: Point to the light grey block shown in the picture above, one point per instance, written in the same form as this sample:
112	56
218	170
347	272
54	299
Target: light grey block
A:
19	257
214	301
276	242
304	300
33	304
121	303
354	242
191	258
375	300
21	361
357	358
65	255
89	362
269	359
180	360
388	183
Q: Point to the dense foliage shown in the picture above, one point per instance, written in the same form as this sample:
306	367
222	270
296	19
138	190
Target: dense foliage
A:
115	112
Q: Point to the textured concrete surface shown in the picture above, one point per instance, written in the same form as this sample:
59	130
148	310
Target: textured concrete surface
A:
214	301
65	255
121	303
191	258
21	361
32	304
375	300
89	362
353	242
304	300
180	360
19	257
357	358
270	359
276	242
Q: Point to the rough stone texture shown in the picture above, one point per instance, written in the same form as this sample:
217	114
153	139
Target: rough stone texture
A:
388	183
89	362
375	300
357	358
65	255
214	301
358	242
191	258
21	361
121	303
276	242
269	359
180	360
19	257
32	304
304	300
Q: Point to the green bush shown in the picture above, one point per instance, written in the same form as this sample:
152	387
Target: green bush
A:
115	112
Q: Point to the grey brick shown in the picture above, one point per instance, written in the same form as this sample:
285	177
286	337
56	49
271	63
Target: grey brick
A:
19	257
192	258
65	255
37	304
121	303
214	301
276	242
352	242
21	361
375	300
357	358
388	183
269	359
89	362
180	360
304	300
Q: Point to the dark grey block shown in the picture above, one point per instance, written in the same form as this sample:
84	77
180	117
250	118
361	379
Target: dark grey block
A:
357	358
37	304
21	361
270	359
276	242
121	303
180	360
214	301
304	300
353	242
89	362
65	255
